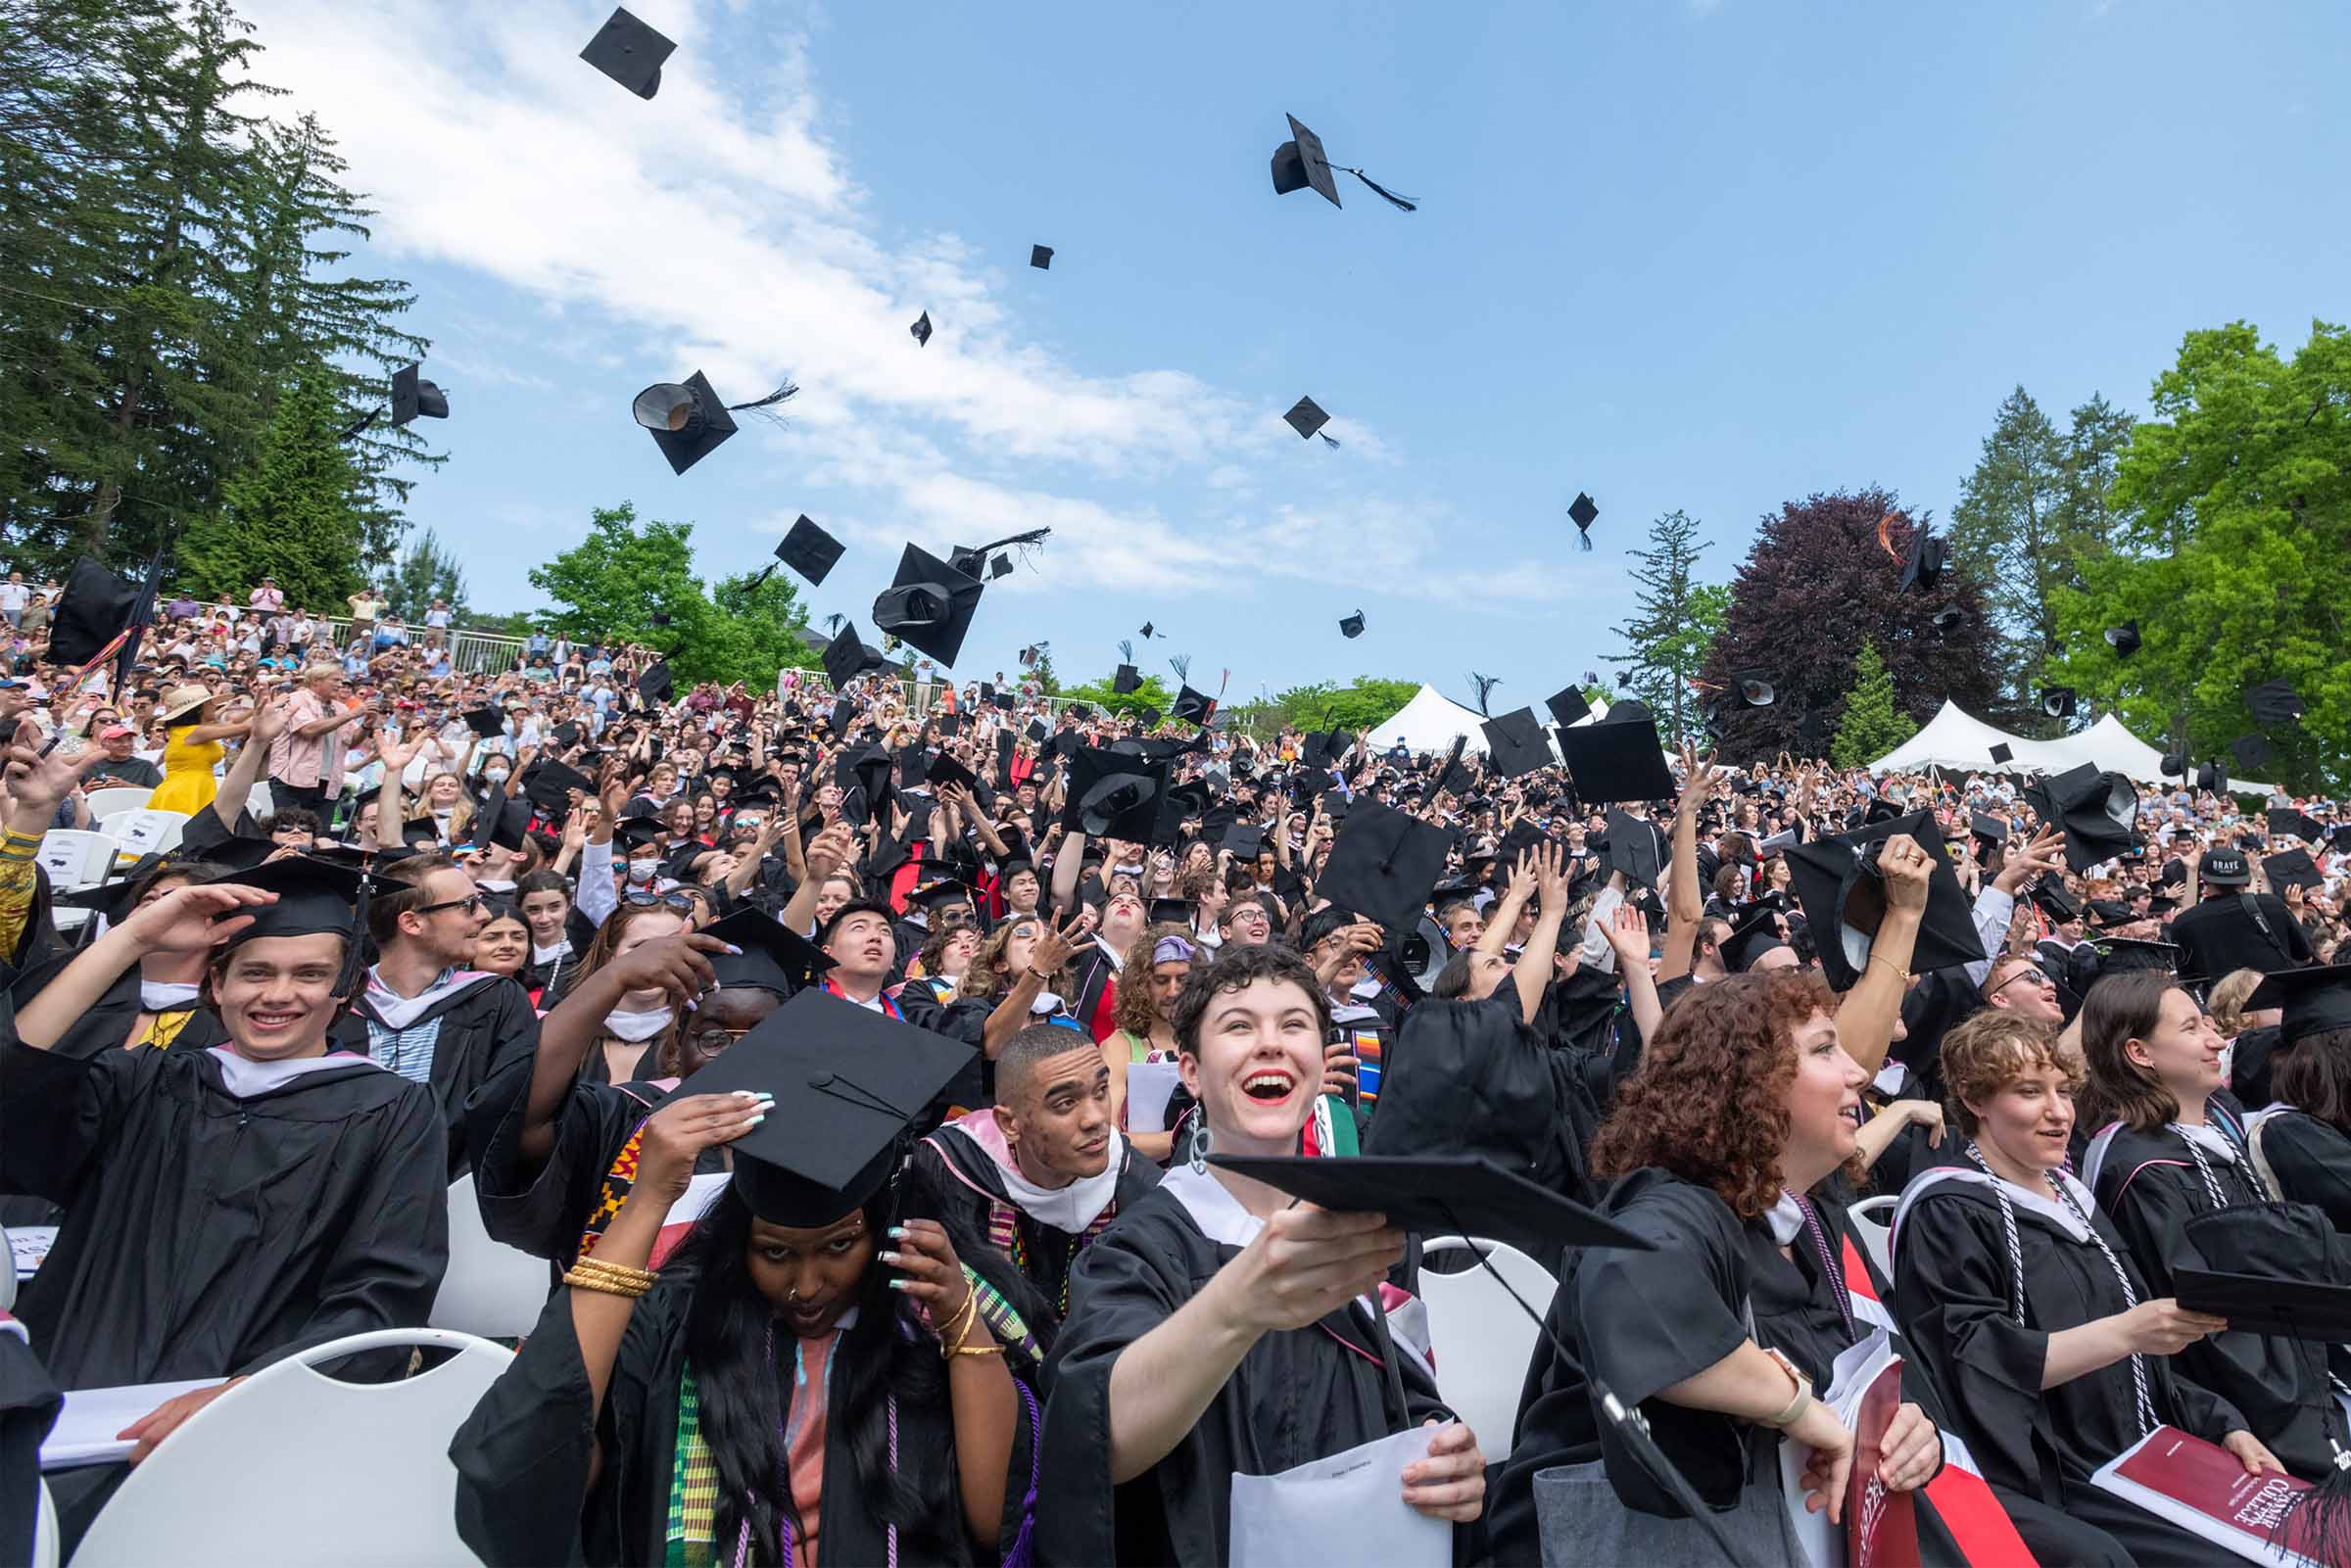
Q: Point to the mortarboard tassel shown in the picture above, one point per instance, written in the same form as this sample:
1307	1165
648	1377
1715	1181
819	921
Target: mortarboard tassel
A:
2324	1512
1328	441
1381	191
1583	541
787	390
364	420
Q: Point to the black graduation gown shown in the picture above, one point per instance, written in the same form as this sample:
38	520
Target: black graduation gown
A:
107	1024
1952	1295
1298	1395
484	1026
2311	1161
950	1178
208	1234
523	1456
1472	1076
2149	1187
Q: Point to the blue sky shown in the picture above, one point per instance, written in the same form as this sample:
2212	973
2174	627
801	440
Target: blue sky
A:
1704	254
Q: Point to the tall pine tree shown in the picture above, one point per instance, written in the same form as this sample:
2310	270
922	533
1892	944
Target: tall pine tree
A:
293	514
1872	724
1675	620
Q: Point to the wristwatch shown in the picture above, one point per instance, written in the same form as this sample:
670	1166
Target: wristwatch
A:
1803	1393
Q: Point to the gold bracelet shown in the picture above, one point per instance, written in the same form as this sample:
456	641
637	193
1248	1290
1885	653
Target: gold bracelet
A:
990	1348
950	1340
1900	973
619	1273
604	1285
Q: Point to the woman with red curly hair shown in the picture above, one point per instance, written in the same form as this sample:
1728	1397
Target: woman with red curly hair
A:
1745	1102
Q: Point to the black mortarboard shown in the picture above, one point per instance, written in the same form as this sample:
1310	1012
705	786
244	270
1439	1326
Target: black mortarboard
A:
1568	706
808	550
1002	701
95	606
2002	753
1620	760
1083	710
2315	1001
2267	1302
1754	930
2056	900
2212	777
1306	418
312	897
1440	1194
1948	619
951	725
2274	702
2289	820
686	418
1172	911
655	685
1127	679
1300	163
2122	638
774	957
1036	731
1384	864
847	657
1633	848
2174	764
1352	625
412	396
941	890
914	766
2271	1268
2057	701
1753	688
1582	513
946	769
1149	715
922	330
2099	811
113	897
501	822
1927	561
1040	255
2293	868
1515	743
1844	899
929	605
2251	751
1990	832
1068	743
1193	707
242	852
630	53
630	832
847	1083
2339	835
1112	796
486	721
1245	839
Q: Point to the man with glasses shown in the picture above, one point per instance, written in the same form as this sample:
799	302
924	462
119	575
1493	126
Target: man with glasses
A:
422	1012
2018	984
1245	923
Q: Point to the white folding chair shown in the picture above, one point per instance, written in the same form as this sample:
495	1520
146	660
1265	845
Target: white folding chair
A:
74	858
1481	1340
104	803
1873	1224
147	832
381	1490
489	1287
44	1530
259	801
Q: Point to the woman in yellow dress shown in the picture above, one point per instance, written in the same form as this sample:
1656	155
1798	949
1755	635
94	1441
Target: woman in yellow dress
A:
191	750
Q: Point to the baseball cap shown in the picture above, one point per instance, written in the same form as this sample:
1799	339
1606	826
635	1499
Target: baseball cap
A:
2223	868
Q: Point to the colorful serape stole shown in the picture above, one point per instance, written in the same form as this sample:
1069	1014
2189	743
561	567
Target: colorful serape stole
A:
693	1486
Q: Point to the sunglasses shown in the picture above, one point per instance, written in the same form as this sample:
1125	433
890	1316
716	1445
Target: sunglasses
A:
647	901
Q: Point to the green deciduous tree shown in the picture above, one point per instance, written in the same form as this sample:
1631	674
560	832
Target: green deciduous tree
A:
610	587
1152	693
2231	523
1872	724
1364	703
425	573
292	514
1674	622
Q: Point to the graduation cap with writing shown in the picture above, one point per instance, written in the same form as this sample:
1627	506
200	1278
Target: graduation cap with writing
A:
1193	707
1844	897
412	395
1568	706
1929	558
95	606
1618	760
2275	702
2099	811
847	657
1515	743
689	421
848	1083
774	957
629	52
1582	513
808	550
1384	864
1301	164
929	605
1112	796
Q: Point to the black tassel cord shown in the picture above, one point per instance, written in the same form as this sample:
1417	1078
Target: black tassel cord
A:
1382	191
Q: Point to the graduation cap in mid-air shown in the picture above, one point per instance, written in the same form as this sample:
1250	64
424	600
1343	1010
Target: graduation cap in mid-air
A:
94	607
1582	513
1301	164
1384	864
2003	753
848	1083
487	722
2212	778
1929	558
688	421
412	395
551	784
1568	706
808	550
2174	764
1112	796
2098	812
1040	256
922	330
2057	701
1306	416
1193	707
2293	868
2122	638
1515	743
2252	751
2290	819
629	52
2275	702
847	656
1753	688
1127	679
1843	893
929	605
1948	619
1620	760
1352	625
655	684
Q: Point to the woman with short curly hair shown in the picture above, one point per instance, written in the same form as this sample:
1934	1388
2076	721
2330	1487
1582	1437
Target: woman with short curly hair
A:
1744	1103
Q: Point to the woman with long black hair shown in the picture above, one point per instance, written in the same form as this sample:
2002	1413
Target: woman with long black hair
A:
806	1380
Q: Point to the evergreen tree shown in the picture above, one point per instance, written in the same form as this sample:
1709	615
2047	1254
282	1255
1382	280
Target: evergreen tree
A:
426	573
1872	724
1675	620
293	514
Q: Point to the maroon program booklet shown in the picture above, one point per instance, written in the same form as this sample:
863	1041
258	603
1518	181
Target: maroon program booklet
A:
1881	1527
2200	1486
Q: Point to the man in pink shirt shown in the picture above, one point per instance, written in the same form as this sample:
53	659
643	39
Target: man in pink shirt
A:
267	599
306	761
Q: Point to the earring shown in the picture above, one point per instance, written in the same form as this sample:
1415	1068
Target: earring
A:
1200	1148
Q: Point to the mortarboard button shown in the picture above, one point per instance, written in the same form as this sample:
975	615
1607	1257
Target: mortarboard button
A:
1040	256
1440	1194
1618	760
847	1084
2122	638
1352	625
1304	417
1582	513
929	605
922	330
630	53
411	397
808	550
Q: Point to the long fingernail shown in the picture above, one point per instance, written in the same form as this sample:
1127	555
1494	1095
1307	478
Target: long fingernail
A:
737	951
900	1284
890	1257
692	1006
754	1120
897	1233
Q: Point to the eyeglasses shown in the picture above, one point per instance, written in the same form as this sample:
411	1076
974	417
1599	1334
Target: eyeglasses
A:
471	904
647	901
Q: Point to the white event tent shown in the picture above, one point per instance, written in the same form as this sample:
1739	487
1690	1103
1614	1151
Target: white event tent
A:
1957	740
1428	723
